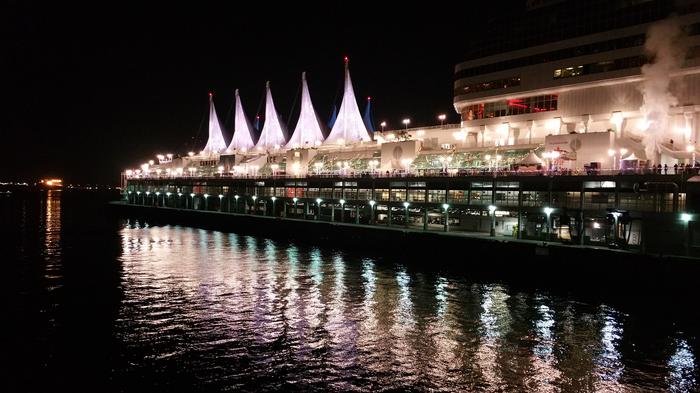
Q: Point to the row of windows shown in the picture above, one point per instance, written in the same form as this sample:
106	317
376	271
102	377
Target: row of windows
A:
477	87
511	27
601	66
598	47
516	106
504	199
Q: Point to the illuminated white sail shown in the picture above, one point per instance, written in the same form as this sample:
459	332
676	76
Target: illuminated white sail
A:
349	126
242	139
215	143
308	130
272	135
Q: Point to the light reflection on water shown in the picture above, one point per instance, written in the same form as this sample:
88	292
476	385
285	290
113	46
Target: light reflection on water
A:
234	311
136	307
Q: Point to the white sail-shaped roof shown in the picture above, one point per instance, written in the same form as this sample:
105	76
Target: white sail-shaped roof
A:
308	130
215	143
242	139
272	134
348	127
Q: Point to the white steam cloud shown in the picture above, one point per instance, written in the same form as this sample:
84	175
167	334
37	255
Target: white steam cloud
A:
664	45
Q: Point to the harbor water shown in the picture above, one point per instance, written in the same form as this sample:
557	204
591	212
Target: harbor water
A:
95	301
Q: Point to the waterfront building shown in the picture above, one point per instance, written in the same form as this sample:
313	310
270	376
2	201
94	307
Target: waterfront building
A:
590	139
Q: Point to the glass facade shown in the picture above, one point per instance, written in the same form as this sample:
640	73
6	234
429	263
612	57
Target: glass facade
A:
601	66
516	106
503	83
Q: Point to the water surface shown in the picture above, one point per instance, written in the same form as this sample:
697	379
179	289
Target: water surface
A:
95	301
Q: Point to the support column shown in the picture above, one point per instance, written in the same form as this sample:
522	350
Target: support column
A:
582	229
332	212
482	128
425	217
357	213
388	205
520	211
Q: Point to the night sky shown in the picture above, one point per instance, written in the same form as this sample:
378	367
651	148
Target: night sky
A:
91	90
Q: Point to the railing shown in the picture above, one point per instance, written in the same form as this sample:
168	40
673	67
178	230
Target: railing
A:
441	173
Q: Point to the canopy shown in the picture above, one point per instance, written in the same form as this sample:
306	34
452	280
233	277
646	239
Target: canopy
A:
215	142
308	130
242	138
272	135
349	126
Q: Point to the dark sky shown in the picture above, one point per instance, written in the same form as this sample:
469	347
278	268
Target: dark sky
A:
93	89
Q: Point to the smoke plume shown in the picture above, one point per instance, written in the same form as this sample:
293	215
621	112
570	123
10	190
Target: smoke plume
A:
664	46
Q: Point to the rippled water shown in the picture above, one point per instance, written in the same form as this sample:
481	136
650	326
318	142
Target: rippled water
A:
123	305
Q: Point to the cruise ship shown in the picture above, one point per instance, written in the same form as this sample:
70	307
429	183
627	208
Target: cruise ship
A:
580	135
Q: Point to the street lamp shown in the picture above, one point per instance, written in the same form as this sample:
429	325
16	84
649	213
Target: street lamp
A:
192	196
221	198
295	199
318	208
548	211
371	209
383	125
492	212
405	207
254	197
691	149
406	122
342	210
615	215
487	157
236	198
273	199
686	218
206	201
442	118
447	216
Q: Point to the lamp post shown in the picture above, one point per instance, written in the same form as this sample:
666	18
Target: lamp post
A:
371	209
206	201
192	196
146	199
273	199
383	125
318	208
686	219
442	118
492	212
548	211
611	153
157	198
691	149
406	122
342	210
253	207
615	215
295	200
447	216
405	207
236	198
221	198
179	200
167	198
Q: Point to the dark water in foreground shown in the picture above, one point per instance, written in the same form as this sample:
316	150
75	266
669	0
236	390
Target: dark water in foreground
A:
99	303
